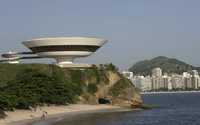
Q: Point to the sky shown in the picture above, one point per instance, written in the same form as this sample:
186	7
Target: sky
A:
135	29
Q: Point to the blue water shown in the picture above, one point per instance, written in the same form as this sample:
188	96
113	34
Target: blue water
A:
174	109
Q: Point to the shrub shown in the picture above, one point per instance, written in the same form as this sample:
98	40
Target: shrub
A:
111	67
31	87
7	101
118	87
92	88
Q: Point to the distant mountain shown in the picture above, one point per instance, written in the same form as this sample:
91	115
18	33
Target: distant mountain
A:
168	65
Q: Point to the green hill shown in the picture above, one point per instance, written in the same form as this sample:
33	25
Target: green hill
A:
168	65
23	86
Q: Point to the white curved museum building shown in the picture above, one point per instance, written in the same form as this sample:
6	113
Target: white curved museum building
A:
65	49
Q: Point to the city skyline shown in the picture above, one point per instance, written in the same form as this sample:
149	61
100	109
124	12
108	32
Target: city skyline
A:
137	30
162	81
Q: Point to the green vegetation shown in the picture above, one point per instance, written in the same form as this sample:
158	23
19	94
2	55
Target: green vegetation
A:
31	87
119	87
25	86
110	67
28	85
168	65
92	88
93	74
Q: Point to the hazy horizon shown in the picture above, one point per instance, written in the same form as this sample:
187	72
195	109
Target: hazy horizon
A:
135	29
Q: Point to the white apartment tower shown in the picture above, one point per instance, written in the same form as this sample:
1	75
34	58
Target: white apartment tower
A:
157	72
195	79
157	81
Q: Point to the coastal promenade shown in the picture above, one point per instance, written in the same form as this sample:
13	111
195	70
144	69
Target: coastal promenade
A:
168	92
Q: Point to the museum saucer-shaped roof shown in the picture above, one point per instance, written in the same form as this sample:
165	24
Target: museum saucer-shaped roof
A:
64	49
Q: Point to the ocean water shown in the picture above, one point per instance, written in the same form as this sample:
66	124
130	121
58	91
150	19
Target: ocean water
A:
174	109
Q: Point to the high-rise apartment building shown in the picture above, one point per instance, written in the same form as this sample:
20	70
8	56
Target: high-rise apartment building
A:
157	72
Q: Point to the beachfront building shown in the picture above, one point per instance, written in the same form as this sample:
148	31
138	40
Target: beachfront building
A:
157	80
168	82
157	83
128	75
177	82
157	72
167	85
143	83
195	79
187	80
63	49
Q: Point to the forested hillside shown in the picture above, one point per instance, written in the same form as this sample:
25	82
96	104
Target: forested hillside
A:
23	86
168	65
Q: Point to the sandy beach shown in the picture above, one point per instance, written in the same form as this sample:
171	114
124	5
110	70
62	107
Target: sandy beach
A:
26	117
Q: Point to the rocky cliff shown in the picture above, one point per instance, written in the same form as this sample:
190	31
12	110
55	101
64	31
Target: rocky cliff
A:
107	83
113	87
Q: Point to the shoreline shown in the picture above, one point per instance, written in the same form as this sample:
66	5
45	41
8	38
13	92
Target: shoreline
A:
167	92
66	116
55	114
